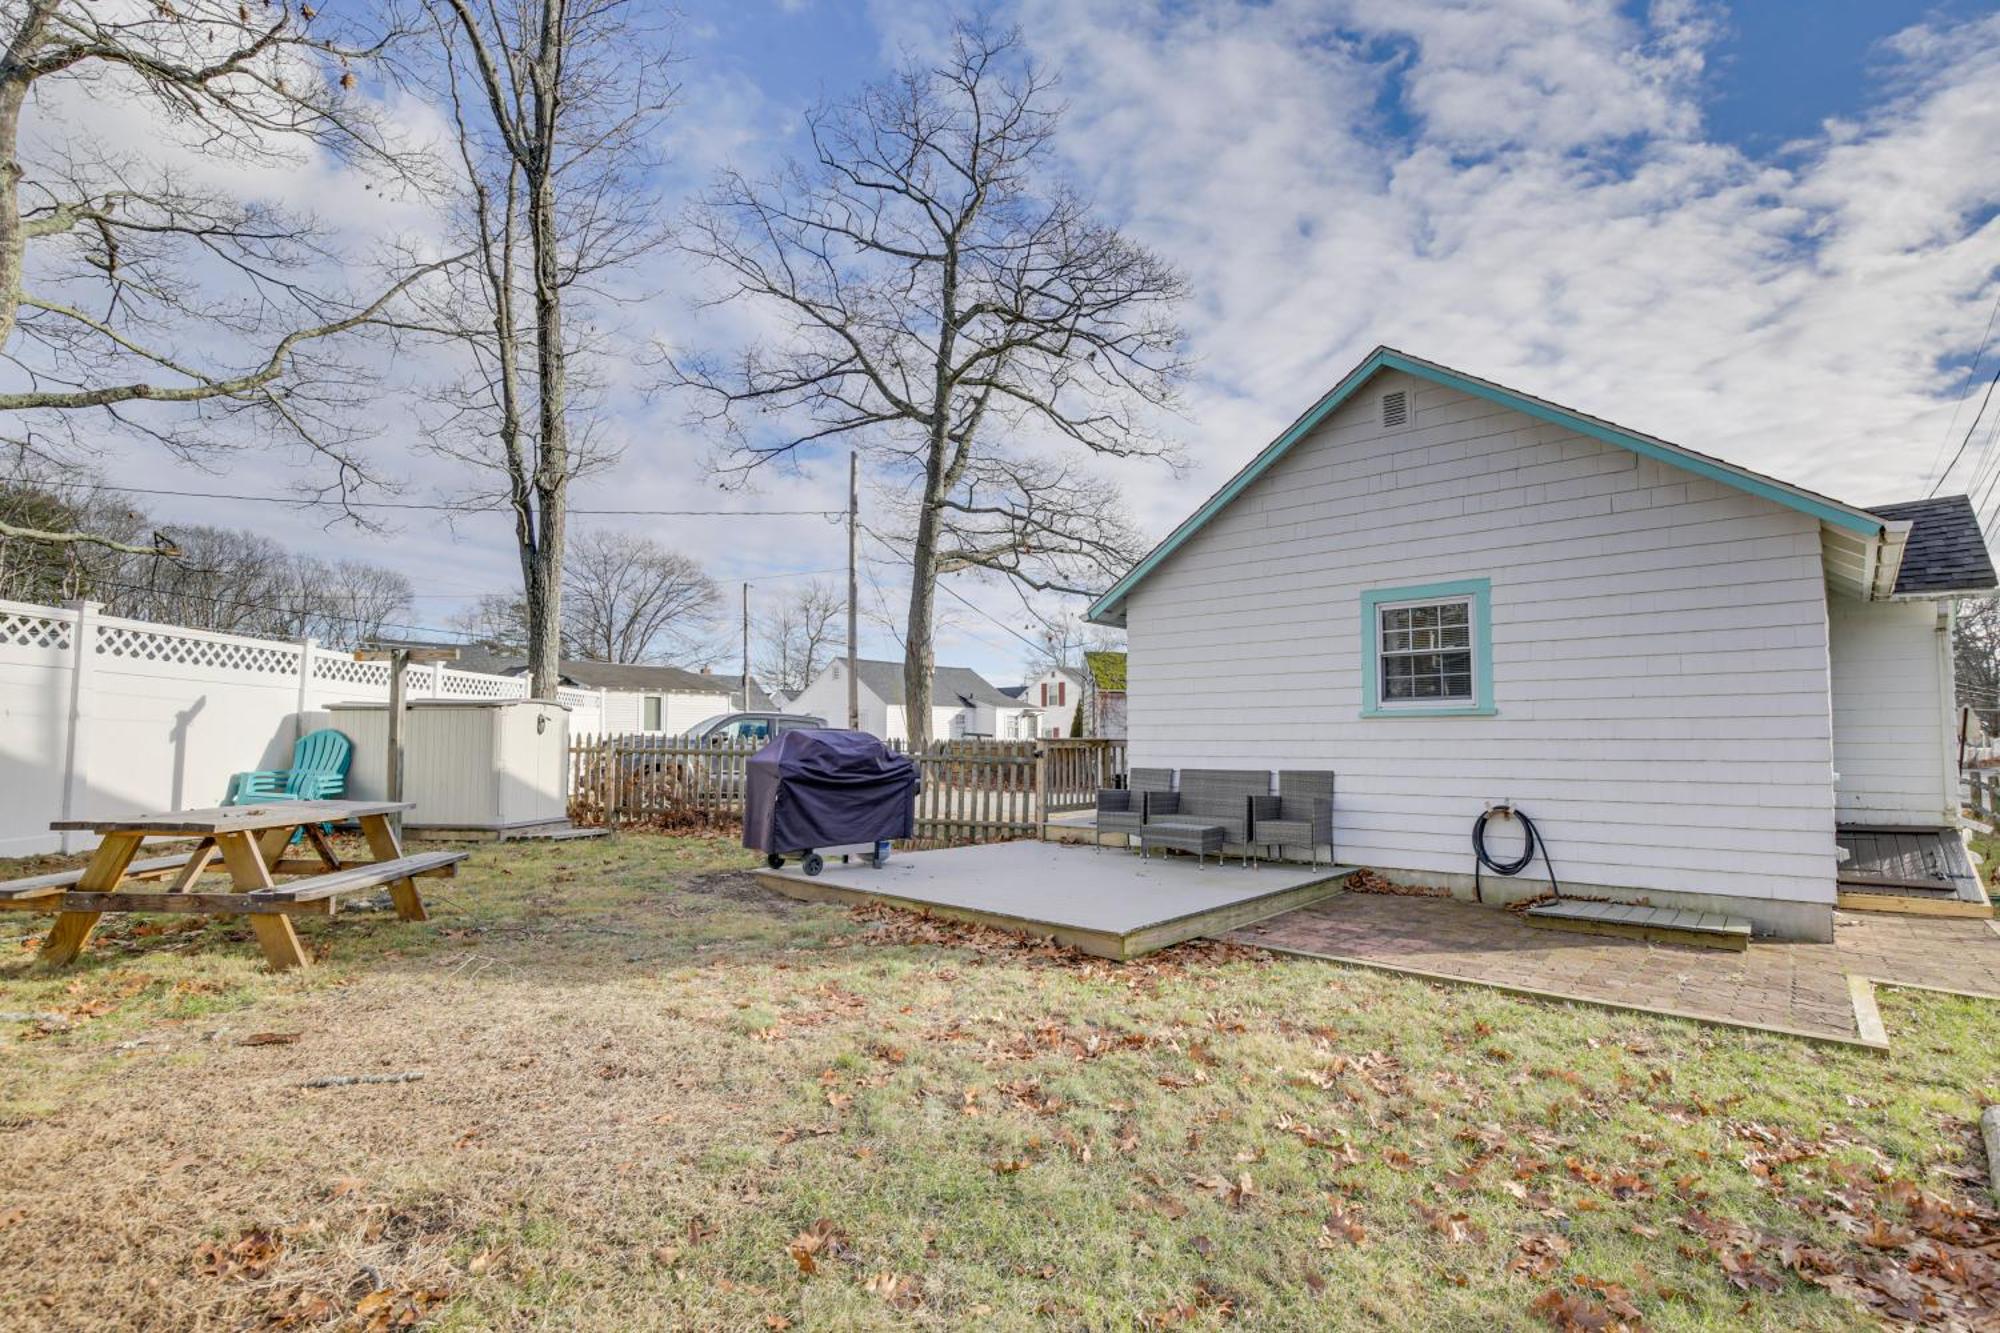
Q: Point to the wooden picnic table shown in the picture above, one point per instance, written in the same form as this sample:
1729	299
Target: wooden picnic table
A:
251	841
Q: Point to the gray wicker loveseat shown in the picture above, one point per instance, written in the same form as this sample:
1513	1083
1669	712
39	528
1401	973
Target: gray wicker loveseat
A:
1224	798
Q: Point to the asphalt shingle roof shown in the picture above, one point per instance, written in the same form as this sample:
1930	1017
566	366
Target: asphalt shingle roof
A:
948	683
1946	551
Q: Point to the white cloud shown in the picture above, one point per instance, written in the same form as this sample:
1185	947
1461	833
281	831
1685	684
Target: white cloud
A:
1551	215
1526	189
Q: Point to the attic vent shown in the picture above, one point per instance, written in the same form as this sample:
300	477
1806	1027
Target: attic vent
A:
1395	408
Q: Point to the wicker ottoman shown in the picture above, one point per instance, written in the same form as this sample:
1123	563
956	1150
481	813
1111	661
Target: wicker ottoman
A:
1201	839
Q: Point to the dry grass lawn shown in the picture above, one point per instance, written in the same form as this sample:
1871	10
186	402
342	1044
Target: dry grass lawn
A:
655	1096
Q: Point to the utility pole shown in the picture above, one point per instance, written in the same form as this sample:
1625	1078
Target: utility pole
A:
746	647
853	587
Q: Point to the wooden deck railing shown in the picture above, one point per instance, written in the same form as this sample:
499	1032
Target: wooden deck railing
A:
973	790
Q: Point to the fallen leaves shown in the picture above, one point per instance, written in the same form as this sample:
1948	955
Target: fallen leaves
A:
1456	1228
251	1256
1236	1193
1341	1227
1539	1254
897	1290
820	1242
398	1307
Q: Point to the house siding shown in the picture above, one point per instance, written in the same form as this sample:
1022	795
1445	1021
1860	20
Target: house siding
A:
1660	659
826	696
625	710
1892	713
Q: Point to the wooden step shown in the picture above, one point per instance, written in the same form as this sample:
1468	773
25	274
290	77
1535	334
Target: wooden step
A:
1663	925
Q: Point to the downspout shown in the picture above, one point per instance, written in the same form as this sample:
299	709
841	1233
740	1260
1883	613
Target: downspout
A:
1947	620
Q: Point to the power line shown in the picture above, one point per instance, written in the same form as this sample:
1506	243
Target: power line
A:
328	612
953	592
449	508
214	600
1971	376
1984	399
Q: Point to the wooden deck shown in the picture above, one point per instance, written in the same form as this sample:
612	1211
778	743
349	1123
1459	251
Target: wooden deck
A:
1112	904
1920	871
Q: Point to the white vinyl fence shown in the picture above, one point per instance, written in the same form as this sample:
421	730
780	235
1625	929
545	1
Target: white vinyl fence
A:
102	716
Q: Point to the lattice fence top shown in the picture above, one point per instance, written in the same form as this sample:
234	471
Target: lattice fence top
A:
576	698
23	629
153	644
342	669
476	685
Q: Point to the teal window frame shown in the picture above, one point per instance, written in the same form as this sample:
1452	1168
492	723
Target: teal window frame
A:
1479	593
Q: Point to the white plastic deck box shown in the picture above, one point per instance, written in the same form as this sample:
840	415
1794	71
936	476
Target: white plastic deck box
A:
474	767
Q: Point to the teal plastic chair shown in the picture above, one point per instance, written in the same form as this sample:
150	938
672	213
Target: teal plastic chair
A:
318	773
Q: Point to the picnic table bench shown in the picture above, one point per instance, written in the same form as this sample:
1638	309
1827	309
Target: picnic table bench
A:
250	841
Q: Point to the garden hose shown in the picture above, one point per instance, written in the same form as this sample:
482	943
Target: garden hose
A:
1531	841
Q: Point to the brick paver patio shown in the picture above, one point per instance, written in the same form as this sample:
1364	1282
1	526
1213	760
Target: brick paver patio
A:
1798	988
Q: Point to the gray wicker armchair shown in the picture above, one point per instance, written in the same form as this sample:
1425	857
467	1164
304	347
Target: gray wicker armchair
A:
1123	809
1222	797
1303	817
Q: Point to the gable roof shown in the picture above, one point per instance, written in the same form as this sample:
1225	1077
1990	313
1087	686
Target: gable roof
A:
1107	669
631	676
948	684
1946	550
1832	513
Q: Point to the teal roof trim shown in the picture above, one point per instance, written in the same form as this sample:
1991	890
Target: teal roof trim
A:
1824	509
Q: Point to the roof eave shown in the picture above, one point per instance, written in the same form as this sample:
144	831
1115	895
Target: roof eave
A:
1108	609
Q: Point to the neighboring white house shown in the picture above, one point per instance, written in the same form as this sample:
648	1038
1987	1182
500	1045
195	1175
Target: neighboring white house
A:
1055	694
964	705
1454	594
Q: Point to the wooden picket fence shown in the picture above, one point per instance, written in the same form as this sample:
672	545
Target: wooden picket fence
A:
973	790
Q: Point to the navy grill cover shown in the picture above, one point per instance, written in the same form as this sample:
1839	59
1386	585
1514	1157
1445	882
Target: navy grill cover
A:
824	788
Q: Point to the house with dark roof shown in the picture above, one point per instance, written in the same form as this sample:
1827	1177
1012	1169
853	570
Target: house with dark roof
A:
1710	689
964	704
638	697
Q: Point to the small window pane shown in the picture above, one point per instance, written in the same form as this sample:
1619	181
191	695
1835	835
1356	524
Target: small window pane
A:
1425	653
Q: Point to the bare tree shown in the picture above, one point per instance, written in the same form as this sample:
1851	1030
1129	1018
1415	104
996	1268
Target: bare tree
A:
958	313
340	601
1064	637
631	599
553	104
496	620
1976	658
135	301
800	636
222	579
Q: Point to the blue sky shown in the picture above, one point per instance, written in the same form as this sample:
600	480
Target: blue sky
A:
1763	230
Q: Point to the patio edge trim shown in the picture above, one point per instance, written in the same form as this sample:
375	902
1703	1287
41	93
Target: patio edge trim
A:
1535	993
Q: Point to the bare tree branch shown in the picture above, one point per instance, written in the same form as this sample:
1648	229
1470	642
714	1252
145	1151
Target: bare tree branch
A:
958	314
132	301
553	108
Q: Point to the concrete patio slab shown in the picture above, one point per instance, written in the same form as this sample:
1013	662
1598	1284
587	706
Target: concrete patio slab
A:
1112	904
1821	991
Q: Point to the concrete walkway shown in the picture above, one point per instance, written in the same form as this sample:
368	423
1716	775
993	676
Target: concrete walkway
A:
1823	991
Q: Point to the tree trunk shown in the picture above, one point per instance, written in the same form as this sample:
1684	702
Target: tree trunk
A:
551	483
14	81
919	657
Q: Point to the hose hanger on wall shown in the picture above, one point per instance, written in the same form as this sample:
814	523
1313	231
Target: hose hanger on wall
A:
1531	841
